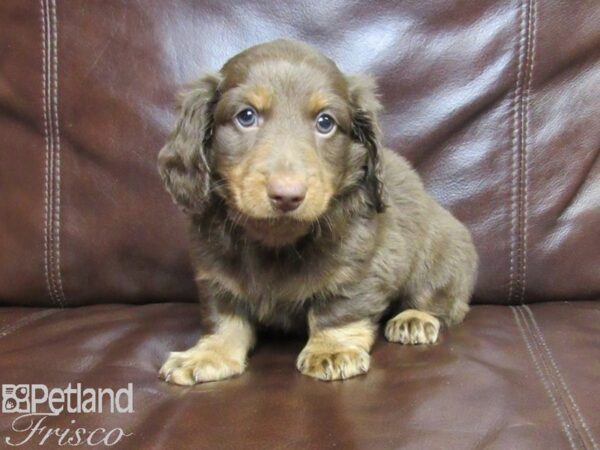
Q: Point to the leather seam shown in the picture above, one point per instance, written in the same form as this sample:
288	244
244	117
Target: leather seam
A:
57	266
48	275
542	377
52	183
524	166
18	324
515	139
570	399
571	422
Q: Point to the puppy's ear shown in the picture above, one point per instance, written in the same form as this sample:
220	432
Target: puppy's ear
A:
365	129
184	162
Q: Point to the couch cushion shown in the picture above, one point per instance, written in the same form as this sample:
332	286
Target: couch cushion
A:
515	377
494	101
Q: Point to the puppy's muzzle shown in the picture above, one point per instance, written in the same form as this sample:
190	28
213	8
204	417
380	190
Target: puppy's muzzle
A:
286	192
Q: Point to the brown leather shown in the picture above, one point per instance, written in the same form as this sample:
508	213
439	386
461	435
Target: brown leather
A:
495	382
493	102
496	104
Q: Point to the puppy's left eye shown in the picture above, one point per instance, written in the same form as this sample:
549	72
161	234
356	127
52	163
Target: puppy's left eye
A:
325	123
247	118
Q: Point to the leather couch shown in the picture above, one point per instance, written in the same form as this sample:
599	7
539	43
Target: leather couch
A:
495	102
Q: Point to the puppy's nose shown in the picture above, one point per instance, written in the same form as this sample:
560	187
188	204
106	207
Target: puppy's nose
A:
286	192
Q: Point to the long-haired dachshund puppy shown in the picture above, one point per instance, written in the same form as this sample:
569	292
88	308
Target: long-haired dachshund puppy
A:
300	219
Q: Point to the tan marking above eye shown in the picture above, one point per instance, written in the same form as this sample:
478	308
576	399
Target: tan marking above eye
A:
317	102
260	97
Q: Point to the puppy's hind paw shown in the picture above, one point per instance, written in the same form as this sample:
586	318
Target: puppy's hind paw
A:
413	327
199	366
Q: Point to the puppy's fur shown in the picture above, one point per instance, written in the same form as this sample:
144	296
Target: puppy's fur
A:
366	240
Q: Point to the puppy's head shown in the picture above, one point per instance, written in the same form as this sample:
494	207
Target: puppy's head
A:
278	133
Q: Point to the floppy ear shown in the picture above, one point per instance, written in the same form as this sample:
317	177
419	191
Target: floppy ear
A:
365	129
184	161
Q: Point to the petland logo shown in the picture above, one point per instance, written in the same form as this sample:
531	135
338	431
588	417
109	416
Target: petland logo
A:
36	402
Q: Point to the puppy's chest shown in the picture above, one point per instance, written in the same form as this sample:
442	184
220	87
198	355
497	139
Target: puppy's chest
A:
272	289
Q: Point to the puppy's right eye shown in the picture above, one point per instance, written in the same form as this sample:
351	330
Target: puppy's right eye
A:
247	118
325	123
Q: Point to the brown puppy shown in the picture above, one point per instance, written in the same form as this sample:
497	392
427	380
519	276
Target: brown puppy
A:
300	219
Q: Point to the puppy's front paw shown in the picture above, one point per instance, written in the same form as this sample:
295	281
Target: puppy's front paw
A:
413	327
199	366
333	364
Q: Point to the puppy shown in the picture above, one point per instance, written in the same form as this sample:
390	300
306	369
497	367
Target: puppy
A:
300	220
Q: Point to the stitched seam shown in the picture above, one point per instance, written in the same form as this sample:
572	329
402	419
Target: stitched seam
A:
52	167
11	328
515	138
51	157
530	61
52	162
571	422
56	218
48	142
520	146
561	379
543	379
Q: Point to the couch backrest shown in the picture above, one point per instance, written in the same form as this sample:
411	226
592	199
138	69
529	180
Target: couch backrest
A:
496	103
